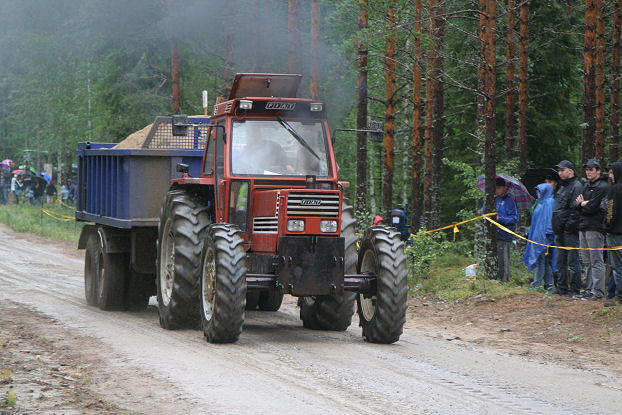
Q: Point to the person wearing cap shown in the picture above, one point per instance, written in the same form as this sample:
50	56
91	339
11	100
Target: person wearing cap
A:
591	231
566	228
613	225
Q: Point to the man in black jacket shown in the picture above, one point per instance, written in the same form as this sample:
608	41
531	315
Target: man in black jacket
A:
566	228
613	226
591	232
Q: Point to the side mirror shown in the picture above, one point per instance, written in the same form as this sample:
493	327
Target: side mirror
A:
182	168
180	124
376	133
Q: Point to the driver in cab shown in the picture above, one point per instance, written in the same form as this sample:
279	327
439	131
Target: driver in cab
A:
261	156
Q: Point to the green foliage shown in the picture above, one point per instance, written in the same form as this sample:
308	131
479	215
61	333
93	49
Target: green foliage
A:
26	218
422	252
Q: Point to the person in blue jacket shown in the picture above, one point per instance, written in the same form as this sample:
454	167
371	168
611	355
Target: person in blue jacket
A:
507	215
541	231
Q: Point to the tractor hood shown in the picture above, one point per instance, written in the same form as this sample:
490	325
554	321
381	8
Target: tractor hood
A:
265	85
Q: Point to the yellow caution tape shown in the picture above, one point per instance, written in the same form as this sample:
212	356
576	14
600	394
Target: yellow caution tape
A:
64	204
455	225
57	216
567	248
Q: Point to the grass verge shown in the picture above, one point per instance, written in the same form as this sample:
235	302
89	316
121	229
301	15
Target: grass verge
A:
445	277
27	218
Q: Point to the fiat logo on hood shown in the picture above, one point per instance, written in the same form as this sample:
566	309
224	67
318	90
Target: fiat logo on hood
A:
310	202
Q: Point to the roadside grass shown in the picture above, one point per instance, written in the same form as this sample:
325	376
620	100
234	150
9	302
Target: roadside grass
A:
9	402
27	218
445	279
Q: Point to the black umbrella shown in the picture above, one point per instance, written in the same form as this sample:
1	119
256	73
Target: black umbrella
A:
534	177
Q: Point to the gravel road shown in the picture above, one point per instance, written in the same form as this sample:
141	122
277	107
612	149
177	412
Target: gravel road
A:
279	367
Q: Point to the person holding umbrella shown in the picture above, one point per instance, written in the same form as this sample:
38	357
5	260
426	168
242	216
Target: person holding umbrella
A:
507	215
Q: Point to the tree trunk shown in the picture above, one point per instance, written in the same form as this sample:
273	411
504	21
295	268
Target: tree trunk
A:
415	204
488	36
372	184
599	109
175	75
589	81
479	132
315	49
439	120
614	100
522	87
509	76
293	28
228	72
361	114
389	114
428	178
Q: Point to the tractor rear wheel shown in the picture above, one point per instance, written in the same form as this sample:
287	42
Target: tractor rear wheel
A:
181	233
223	284
382	315
334	312
270	300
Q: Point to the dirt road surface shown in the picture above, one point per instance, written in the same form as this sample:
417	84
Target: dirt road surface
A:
57	355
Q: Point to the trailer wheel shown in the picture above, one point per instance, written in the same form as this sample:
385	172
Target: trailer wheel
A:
270	300
111	270
181	232
252	300
90	270
223	284
382	315
334	312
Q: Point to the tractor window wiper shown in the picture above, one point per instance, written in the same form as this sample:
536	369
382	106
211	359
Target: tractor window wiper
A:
297	136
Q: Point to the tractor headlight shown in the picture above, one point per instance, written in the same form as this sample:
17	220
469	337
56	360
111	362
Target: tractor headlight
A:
328	226
316	106
246	104
295	225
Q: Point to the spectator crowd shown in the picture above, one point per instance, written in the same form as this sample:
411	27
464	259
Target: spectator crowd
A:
23	185
583	218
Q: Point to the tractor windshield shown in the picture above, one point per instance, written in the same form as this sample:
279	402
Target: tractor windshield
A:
276	147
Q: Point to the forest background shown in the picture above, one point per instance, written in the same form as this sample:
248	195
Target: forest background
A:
464	87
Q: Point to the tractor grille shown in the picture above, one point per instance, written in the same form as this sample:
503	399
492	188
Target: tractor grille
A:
313	204
265	225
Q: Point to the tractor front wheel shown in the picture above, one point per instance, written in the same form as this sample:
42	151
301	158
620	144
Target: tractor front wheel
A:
223	284
383	314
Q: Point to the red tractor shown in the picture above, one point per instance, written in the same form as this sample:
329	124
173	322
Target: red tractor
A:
267	217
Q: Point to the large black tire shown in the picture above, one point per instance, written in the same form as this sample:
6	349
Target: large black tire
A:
181	233
90	270
270	300
138	288
382	316
111	270
334	312
223	284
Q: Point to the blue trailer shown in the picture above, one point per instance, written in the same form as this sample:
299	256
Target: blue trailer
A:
121	191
